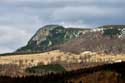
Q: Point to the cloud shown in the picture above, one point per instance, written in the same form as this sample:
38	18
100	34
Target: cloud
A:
11	38
19	19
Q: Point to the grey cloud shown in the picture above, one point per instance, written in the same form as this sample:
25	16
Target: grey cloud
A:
62	3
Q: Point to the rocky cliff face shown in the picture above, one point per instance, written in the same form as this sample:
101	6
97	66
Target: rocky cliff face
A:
49	36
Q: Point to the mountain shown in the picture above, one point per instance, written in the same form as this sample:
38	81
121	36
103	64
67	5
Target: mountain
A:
48	36
107	39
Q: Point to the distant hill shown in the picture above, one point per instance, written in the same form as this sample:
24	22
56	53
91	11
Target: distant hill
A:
49	36
107	38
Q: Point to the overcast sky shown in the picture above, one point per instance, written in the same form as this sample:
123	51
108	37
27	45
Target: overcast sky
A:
19	19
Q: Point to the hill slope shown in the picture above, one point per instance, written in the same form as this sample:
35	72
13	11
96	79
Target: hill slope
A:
108	73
